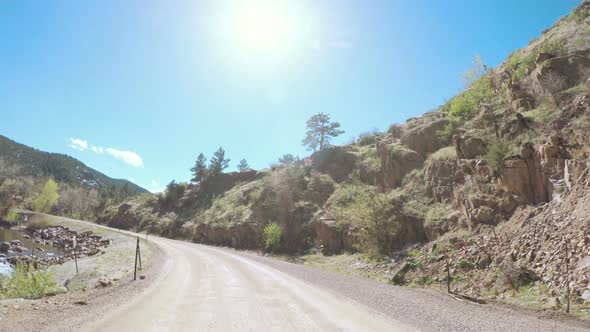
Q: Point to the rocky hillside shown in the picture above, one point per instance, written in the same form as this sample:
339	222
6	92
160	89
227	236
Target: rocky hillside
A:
488	181
21	160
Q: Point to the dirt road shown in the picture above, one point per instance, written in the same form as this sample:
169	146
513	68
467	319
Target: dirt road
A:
203	288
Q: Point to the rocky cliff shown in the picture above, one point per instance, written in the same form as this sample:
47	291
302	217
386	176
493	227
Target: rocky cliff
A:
487	181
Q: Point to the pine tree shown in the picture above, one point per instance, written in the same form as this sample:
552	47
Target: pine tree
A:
320	131
243	165
200	171
218	162
287	159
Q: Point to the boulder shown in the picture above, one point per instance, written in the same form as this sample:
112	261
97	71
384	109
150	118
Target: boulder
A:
484	215
556	74
125	218
396	162
424	139
104	282
5	246
332	237
20	249
472	147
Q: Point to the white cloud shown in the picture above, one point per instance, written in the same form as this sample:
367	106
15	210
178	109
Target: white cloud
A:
128	157
78	144
97	149
155	187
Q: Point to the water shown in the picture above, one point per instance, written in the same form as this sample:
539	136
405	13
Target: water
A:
7	235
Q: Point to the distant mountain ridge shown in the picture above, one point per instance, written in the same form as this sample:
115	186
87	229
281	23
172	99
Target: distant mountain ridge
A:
63	168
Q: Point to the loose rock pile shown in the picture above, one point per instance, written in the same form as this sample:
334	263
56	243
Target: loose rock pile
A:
70	242
529	248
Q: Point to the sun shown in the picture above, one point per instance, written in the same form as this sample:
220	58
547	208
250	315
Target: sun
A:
263	25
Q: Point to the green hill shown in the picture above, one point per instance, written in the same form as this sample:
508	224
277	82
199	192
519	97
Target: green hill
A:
26	161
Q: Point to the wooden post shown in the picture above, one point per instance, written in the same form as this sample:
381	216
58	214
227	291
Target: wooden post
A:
139	254
567	280
76	261
448	277
74	245
136	252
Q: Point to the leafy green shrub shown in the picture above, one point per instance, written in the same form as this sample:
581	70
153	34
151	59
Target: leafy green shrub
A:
496	154
352	203
445	135
466	105
524	66
48	197
319	188
28	283
380	234
554	47
272	237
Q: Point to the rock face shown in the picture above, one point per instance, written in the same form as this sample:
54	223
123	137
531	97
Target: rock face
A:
471	147
396	162
241	236
423	139
334	161
556	74
331	237
525	178
440	178
125	218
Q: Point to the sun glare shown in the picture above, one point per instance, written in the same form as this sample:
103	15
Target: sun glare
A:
263	26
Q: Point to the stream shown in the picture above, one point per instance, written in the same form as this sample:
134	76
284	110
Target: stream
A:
7	235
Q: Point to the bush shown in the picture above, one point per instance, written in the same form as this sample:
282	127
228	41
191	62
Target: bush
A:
272	237
522	68
319	188
381	231
28	283
438	213
496	154
445	135
351	203
37	222
554	47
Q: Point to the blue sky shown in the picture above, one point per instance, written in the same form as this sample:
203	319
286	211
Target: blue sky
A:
144	86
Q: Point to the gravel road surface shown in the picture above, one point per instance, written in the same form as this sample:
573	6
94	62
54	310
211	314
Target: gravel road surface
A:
203	288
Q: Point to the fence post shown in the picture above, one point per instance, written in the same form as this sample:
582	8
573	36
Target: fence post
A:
76	261
567	280
74	245
448	277
136	252
139	254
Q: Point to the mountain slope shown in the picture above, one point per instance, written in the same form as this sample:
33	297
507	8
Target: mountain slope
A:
27	161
